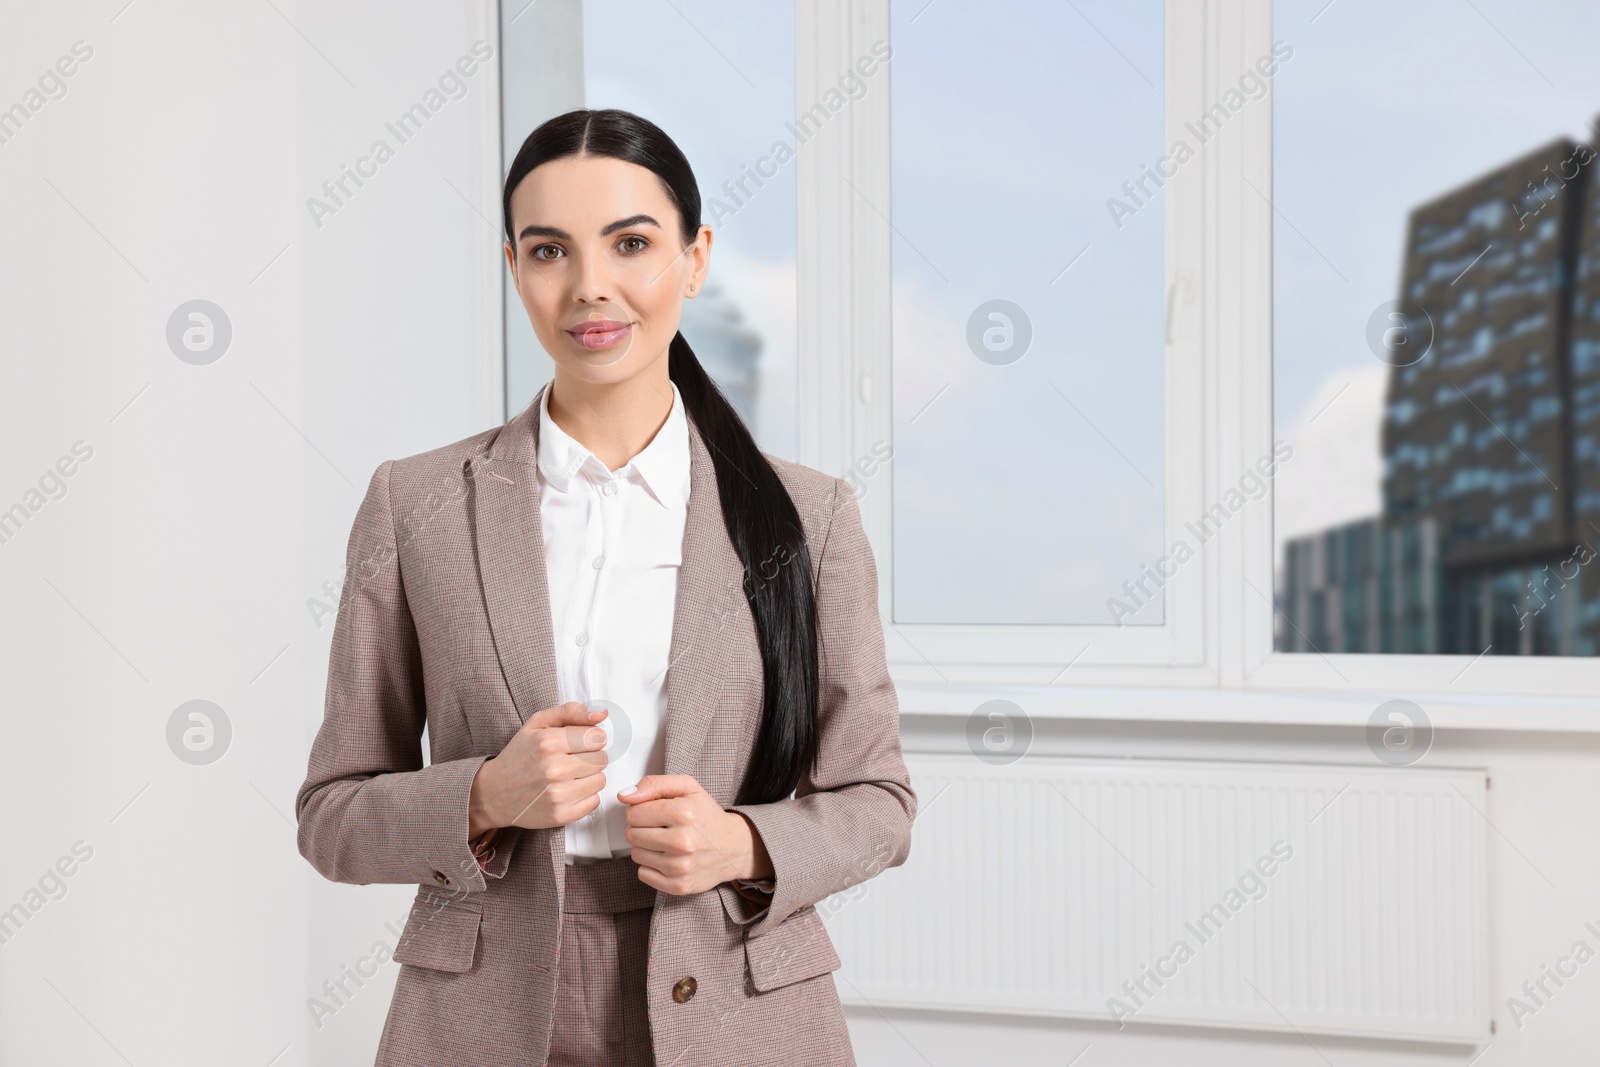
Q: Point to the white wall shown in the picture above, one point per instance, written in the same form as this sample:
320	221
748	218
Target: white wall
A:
179	563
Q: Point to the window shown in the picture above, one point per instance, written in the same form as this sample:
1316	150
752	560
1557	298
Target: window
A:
1422	155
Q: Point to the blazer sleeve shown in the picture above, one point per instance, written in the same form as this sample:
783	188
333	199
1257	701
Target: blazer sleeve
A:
850	817
369	810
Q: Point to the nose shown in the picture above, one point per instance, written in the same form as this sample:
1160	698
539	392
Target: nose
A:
593	280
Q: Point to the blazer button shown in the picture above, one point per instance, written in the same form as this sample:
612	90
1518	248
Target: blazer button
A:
441	878
683	990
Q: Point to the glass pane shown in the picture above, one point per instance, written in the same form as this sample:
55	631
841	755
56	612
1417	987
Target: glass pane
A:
1028	311
1437	327
718	77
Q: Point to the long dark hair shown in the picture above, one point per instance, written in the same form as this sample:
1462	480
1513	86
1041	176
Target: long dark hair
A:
761	518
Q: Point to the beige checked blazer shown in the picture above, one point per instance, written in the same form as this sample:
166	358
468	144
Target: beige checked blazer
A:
444	620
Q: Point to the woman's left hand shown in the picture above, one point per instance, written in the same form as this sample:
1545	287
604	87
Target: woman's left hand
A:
683	840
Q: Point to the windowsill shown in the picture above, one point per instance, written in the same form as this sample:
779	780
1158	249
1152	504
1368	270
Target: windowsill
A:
1289	707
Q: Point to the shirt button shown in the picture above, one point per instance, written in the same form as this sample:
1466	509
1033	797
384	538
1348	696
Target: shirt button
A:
683	989
583	638
599	561
609	489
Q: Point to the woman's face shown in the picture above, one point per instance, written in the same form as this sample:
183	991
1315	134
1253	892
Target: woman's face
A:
599	264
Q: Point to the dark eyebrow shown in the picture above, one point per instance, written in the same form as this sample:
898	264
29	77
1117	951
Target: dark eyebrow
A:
563	235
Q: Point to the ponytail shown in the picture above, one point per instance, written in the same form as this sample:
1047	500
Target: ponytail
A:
764	526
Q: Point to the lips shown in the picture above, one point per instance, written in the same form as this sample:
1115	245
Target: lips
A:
600	333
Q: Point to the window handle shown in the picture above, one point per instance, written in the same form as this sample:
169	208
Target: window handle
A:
1172	299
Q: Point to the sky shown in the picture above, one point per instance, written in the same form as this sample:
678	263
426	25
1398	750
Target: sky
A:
1025	491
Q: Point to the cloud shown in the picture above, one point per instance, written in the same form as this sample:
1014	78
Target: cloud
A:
1337	472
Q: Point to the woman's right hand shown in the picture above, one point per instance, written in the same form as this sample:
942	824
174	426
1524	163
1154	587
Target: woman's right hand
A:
549	774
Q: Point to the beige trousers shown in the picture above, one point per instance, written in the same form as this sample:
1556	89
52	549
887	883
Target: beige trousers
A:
601	1019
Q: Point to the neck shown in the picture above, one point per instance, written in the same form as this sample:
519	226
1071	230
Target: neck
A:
614	420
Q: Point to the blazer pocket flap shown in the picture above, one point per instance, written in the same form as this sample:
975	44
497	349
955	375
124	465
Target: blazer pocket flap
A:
441	935
797	948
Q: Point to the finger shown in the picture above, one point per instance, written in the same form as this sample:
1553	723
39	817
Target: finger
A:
651	877
655	839
572	713
668	811
586	790
583	765
660	787
646	857
584	739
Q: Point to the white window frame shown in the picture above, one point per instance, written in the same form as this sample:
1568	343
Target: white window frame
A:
1213	658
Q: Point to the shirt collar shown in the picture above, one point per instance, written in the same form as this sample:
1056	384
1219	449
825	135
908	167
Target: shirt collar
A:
663	464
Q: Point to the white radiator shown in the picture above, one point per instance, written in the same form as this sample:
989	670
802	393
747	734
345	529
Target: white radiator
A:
1042	887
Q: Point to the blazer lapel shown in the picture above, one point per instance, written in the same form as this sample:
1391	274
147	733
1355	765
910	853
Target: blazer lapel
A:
510	546
509	540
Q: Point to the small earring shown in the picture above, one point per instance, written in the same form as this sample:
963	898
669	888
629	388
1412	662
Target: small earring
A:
692	288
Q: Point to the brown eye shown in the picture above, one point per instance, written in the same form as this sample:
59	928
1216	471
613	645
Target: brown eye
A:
535	253
643	244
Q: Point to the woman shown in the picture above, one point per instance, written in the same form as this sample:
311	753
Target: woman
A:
615	589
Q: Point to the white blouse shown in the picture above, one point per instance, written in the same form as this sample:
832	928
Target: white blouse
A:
613	545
